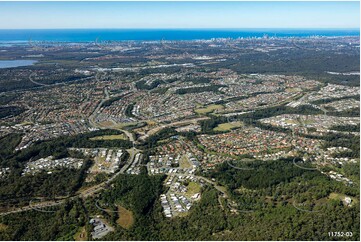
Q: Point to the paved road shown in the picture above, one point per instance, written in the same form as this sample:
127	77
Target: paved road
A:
239	168
221	189
305	168
96	110
83	194
303	210
35	82
214	184
157	129
129	135
54	84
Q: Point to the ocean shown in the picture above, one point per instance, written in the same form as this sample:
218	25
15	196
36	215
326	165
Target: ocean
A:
89	35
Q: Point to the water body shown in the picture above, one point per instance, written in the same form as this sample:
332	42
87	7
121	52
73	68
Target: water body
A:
88	35
15	63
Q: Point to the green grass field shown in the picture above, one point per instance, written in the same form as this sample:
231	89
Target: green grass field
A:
295	89
184	162
193	188
228	126
81	235
3	227
208	109
110	137
126	219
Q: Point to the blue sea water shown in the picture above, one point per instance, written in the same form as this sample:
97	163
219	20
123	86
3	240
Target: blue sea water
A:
88	35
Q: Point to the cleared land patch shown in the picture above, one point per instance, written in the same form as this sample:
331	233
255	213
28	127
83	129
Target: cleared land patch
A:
228	126
341	197
110	137
193	188
336	196
184	162
81	235
106	124
296	89
209	109
291	121
126	219
151	123
3	227
122	125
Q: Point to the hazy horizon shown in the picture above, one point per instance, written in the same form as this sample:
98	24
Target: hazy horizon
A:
179	15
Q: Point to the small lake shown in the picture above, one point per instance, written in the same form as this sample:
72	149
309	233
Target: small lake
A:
16	63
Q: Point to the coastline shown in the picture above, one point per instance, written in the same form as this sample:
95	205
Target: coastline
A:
19	36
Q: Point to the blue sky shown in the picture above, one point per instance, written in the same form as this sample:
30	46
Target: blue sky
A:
28	15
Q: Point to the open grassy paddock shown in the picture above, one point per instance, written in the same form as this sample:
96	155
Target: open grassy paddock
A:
193	188
209	109
110	137
81	235
126	219
228	126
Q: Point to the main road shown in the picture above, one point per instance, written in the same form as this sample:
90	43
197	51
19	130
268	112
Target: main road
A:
177	123
80	194
201	178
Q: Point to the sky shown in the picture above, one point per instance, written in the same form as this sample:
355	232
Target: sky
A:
55	15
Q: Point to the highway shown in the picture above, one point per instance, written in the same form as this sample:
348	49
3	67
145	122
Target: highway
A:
239	168
201	178
35	82
305	168
93	190
82	194
157	129
220	189
55	84
96	110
